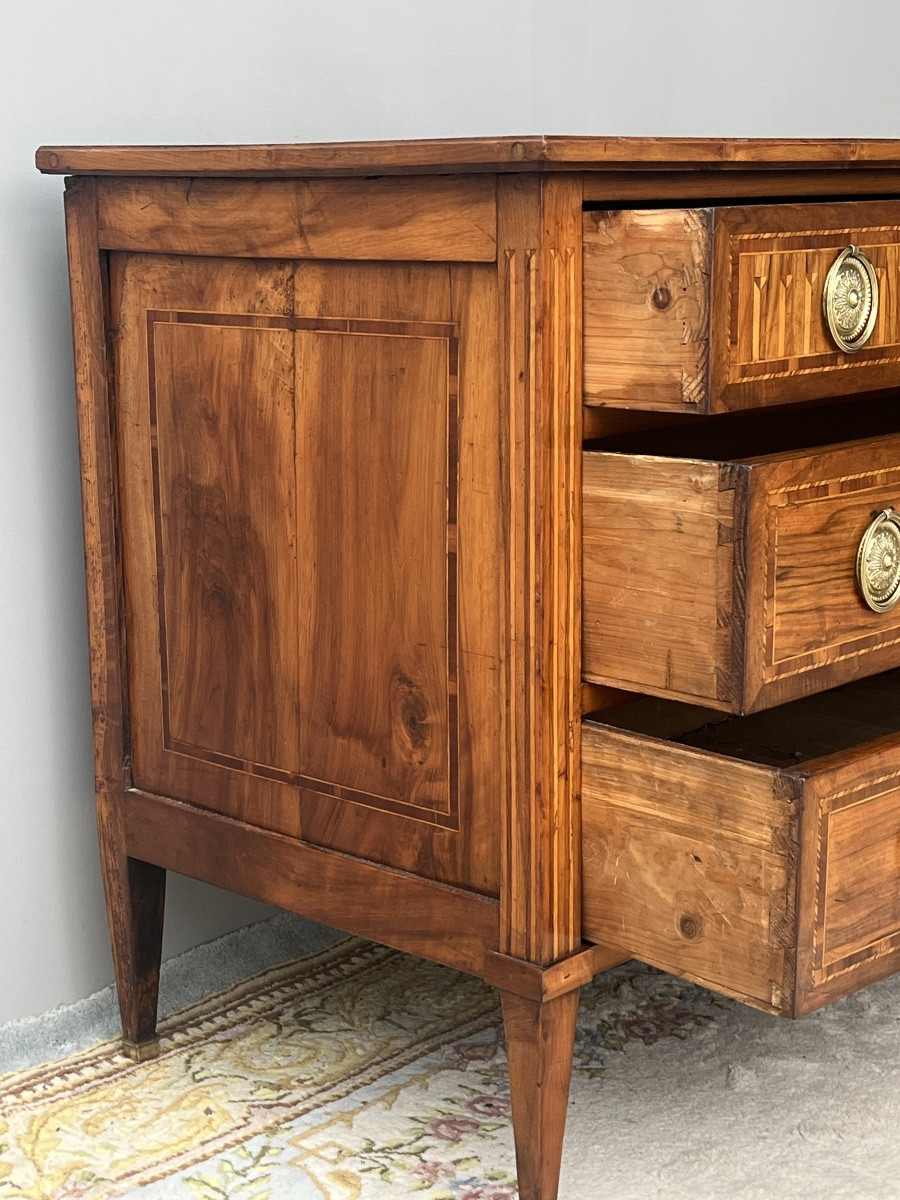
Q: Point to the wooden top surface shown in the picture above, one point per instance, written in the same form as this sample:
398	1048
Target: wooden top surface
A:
472	154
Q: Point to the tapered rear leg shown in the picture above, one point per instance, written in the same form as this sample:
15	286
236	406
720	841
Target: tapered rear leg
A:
135	902
540	1040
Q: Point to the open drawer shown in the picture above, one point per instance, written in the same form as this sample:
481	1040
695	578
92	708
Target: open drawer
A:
759	856
741	582
702	310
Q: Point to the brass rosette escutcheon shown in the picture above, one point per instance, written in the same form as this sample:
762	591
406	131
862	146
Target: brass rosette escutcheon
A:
878	562
850	299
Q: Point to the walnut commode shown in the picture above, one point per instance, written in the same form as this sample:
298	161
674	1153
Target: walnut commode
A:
398	458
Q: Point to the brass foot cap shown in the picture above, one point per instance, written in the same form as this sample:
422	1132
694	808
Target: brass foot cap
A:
141	1051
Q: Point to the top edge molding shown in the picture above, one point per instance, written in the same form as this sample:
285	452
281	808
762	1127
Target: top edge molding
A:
463	155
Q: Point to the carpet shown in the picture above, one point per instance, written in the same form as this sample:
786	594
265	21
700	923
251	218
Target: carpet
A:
358	1073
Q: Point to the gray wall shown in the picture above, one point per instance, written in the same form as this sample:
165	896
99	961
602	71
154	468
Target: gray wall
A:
93	71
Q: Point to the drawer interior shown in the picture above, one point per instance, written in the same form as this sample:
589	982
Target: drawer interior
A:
752	435
786	737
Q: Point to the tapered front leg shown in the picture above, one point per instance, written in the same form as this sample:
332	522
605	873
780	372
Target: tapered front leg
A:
135	902
540	1039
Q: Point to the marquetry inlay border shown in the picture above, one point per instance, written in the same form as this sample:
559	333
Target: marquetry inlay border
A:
447	816
827	963
833	489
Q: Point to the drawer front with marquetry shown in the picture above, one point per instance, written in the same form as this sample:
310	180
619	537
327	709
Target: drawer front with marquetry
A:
742	583
753	855
712	309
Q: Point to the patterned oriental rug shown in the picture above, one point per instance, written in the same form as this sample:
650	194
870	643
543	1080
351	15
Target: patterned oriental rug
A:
359	1072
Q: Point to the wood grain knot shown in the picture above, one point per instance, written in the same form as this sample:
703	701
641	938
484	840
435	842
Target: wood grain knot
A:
411	720
690	926
661	298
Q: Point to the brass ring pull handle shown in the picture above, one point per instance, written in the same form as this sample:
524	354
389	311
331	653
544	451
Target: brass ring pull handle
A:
878	562
850	299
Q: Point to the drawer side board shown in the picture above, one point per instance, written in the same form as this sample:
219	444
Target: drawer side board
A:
686	874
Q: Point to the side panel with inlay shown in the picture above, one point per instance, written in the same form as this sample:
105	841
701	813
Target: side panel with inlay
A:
298	550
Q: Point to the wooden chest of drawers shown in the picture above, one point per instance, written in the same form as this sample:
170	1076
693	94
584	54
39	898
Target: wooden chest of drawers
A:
371	434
